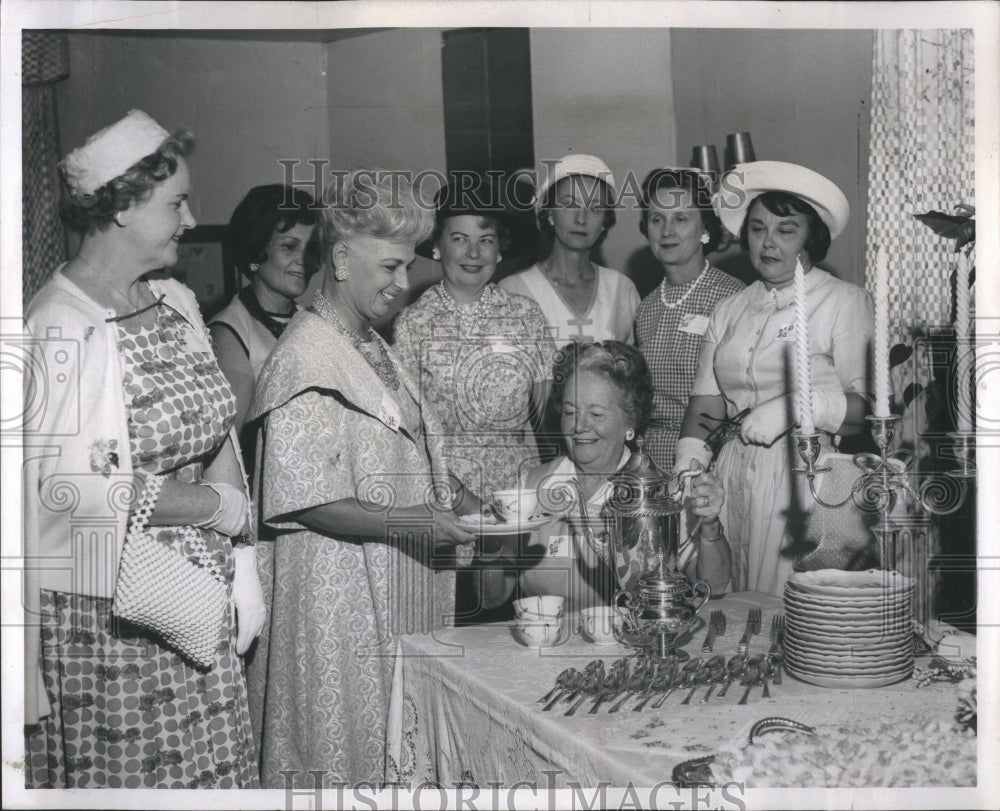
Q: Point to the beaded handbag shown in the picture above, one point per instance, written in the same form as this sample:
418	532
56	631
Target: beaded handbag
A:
160	590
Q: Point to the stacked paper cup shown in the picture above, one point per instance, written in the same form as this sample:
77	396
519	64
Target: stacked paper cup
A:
849	629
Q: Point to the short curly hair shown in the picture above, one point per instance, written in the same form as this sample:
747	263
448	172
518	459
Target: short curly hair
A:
607	195
620	364
479	200
691	181
784	204
89	213
373	203
264	210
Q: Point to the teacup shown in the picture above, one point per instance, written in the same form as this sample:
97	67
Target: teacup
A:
540	634
539	607
600	623
515	505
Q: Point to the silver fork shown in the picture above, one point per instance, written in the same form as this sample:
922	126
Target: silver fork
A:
752	627
716	627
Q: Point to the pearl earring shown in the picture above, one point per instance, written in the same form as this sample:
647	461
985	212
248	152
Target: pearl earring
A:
340	273
254	267
499	258
436	254
629	434
705	238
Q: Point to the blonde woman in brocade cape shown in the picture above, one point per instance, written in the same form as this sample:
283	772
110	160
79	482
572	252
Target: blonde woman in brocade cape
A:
332	430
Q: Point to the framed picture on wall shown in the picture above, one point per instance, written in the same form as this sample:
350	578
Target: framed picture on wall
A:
204	265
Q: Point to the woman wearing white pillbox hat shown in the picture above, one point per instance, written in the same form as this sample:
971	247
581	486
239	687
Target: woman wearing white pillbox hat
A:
582	301
137	432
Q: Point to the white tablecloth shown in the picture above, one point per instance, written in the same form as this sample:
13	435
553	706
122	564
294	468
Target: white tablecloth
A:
464	710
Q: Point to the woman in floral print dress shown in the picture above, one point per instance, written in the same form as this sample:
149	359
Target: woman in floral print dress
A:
136	402
482	355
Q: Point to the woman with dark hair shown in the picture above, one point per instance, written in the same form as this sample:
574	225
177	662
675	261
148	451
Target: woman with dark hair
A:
581	300
268	234
604	397
681	227
481	354
140	416
784	214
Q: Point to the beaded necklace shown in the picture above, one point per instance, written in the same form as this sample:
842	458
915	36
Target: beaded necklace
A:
380	362
670	305
468	315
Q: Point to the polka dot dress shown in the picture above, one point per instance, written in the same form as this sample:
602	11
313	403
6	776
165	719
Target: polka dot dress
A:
128	711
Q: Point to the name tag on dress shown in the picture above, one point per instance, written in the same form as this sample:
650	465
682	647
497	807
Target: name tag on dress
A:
693	323
786	332
389	413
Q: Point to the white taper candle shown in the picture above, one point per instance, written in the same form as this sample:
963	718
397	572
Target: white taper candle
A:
803	385
963	406
880	344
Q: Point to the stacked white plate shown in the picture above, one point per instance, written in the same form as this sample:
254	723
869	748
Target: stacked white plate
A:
849	629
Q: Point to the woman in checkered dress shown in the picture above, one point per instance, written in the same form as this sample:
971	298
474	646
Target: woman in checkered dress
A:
681	227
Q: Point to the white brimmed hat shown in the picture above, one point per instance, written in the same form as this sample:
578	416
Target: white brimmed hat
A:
587	165
112	150
745	181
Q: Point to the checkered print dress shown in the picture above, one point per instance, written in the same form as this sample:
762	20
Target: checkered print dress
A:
672	355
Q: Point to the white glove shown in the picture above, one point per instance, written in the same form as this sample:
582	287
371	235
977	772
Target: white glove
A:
247	597
829	409
230	517
764	423
690	449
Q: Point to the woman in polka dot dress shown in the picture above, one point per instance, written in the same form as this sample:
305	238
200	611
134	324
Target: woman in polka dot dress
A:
135	403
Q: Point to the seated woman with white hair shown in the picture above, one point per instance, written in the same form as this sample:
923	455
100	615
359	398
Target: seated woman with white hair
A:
783	214
604	395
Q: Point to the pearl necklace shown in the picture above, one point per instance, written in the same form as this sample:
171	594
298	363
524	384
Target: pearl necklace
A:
468	315
382	364
670	305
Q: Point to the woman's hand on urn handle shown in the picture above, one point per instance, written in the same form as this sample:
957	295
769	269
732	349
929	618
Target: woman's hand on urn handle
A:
707	496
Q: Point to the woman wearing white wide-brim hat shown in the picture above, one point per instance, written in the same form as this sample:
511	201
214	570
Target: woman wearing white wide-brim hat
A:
782	213
580	299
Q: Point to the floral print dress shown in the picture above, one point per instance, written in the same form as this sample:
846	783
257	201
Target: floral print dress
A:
476	371
127	711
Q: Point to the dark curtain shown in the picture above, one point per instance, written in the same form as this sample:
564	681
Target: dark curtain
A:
44	61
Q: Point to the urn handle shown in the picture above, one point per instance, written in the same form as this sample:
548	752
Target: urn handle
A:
624	603
701	586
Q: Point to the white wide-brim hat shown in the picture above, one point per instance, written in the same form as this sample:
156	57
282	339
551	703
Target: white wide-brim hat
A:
109	152
746	181
587	165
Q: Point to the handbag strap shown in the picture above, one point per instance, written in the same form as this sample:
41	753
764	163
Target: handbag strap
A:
147	503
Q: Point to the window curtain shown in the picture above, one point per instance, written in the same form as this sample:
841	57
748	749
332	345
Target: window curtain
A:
44	61
922	158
